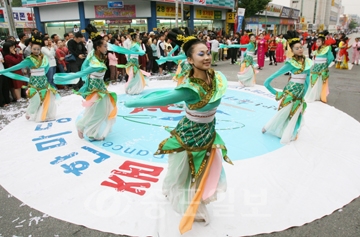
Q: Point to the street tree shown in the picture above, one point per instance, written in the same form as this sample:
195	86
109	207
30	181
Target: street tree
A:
352	25
16	3
252	7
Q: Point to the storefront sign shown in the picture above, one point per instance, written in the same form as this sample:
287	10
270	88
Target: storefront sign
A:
272	10
290	13
217	15
168	11
102	11
287	22
199	2
230	17
204	14
264	20
119	4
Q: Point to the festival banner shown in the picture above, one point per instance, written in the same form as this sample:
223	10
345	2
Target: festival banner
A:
240	18
102	11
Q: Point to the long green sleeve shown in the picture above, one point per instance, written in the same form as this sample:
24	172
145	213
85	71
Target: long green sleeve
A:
9	71
161	98
73	78
236	46
284	69
330	56
25	63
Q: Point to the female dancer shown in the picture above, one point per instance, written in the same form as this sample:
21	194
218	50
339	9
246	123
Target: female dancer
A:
100	104
195	150
286	122
261	50
246	76
42	95
136	82
343	59
280	50
319	75
356	51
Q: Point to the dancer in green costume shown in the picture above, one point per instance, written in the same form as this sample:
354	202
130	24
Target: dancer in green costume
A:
100	104
287	121
319	78
41	94
195	172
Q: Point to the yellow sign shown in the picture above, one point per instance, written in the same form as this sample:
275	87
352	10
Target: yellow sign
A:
204	14
230	17
168	11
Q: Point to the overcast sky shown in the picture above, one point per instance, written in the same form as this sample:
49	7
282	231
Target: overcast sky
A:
351	6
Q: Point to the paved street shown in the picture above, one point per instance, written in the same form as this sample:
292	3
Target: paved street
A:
17	219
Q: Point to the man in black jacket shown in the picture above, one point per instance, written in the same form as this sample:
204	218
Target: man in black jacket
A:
77	48
310	41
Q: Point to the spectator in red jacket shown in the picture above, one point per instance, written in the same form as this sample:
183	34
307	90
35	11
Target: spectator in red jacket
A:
11	58
61	52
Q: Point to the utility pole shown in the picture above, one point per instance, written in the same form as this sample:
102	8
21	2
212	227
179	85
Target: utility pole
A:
182	13
10	17
176	13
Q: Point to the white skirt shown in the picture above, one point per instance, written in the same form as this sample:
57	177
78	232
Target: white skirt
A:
136	83
178	189
247	77
35	109
94	122
314	93
281	126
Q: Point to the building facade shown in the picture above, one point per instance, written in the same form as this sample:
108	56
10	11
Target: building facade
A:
317	15
275	19
60	16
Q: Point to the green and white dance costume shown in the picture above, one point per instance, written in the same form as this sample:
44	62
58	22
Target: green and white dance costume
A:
246	75
100	104
42	96
287	121
319	78
195	149
136	81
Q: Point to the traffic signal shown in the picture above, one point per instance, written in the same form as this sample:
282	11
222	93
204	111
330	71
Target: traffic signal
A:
186	15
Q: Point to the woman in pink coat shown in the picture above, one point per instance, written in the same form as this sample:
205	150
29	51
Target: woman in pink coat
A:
261	50
356	52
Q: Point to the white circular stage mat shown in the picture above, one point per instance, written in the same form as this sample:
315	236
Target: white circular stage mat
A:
115	185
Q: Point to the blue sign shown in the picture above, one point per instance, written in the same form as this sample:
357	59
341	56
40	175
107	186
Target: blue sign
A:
239	120
240	20
119	4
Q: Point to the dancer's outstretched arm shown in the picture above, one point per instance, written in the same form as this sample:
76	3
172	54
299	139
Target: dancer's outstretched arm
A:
237	46
9	71
284	69
161	98
122	50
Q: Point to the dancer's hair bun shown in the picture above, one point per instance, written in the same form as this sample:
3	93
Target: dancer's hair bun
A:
185	42
36	39
93	33
292	37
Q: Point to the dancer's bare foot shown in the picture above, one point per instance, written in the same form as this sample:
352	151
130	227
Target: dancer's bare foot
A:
27	117
263	130
97	139
80	134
